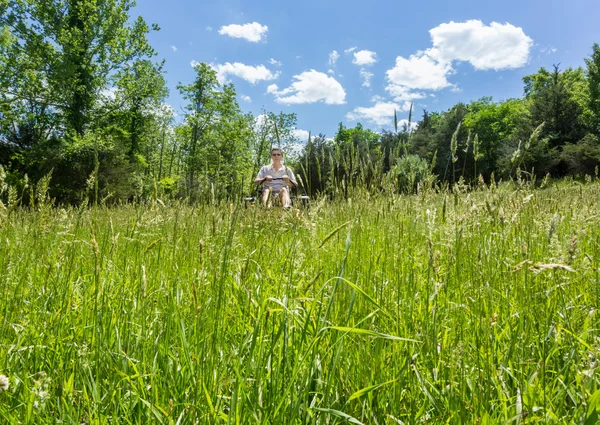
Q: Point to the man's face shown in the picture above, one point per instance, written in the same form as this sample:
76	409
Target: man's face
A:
276	155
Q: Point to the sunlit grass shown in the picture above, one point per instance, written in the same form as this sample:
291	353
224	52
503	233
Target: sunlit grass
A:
434	308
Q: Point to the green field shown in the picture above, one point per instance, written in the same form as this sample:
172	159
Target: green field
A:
476	307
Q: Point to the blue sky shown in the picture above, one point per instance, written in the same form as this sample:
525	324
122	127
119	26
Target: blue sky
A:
280	55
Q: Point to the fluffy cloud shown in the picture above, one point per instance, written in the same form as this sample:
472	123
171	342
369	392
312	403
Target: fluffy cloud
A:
274	62
252	74
366	75
301	135
495	46
310	87
333	57
404	94
253	32
246	98
404	123
382	113
350	50
364	58
174	48
417	72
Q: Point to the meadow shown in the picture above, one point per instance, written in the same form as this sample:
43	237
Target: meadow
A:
437	308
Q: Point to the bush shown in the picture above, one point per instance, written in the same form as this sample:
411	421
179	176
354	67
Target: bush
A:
74	167
410	172
582	157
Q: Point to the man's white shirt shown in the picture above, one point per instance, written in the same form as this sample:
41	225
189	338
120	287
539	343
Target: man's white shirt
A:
276	185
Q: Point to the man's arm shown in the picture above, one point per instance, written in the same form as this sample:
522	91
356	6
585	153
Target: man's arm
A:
291	177
262	176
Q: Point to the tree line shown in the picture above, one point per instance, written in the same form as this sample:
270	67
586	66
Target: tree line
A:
553	130
82	101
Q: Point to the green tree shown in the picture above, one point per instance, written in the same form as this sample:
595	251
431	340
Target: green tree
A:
204	108
316	165
217	136
134	108
593	82
65	52
495	124
356	157
555	98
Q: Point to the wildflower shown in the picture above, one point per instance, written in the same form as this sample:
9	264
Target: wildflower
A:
3	383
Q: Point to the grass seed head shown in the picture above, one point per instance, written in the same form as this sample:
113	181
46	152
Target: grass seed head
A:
3	383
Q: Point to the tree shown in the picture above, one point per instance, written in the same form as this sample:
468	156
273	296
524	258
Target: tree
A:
64	53
203	110
442	129
555	98
494	124
593	83
216	134
315	165
356	157
140	90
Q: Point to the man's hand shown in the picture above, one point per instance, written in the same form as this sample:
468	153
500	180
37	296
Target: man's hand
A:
286	179
269	179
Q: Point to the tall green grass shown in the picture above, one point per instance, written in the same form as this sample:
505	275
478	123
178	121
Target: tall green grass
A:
476	307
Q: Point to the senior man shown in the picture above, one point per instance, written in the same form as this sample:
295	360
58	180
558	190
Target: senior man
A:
277	178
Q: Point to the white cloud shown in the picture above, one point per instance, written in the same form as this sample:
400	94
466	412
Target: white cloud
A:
174	48
331	71
418	72
310	87
293	150
548	50
364	58
252	74
302	135
246	98
194	63
404	123
366	75
495	46
333	57
382	113
209	28
403	94
253	32
272	88
350	50
274	62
